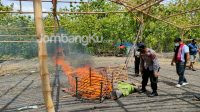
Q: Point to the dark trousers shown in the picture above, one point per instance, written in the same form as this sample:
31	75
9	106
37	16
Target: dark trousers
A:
154	80
137	65
180	69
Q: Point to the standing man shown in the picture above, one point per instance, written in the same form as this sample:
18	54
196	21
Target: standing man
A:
181	57
137	59
193	52
149	67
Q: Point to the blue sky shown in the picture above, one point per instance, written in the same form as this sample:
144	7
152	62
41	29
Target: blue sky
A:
28	6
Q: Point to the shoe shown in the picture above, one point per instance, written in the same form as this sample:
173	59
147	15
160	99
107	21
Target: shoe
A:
137	74
185	83
142	91
194	70
178	85
153	94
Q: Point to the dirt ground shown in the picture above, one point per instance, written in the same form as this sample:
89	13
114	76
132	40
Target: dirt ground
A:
20	87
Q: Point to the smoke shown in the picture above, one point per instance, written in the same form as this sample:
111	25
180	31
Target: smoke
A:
75	53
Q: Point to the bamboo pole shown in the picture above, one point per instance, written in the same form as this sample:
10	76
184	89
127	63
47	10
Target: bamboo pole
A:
17	35
23	41
157	2
20	28
140	5
192	26
129	7
181	13
63	12
44	74
75	2
191	39
139	36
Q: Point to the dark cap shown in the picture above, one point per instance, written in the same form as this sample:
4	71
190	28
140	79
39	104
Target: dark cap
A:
141	46
178	39
193	40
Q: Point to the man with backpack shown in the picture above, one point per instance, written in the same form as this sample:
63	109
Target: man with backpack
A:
181	57
193	48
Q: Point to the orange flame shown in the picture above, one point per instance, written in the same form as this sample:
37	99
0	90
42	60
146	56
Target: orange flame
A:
86	89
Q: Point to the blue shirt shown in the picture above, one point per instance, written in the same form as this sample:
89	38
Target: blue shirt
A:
193	49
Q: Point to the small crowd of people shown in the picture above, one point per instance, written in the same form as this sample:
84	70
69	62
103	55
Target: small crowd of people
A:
146	62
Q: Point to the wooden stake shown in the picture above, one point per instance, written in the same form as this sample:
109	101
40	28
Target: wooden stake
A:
44	74
101	92
76	78
90	75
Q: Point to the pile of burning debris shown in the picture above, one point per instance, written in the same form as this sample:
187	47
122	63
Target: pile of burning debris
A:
85	82
92	83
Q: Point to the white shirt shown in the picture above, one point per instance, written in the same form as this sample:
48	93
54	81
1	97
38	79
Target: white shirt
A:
184	51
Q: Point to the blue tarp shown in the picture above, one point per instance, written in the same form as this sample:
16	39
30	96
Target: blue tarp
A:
126	44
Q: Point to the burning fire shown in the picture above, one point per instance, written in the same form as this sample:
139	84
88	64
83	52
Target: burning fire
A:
89	80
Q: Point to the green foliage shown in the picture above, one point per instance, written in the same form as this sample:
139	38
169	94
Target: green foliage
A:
113	27
7	21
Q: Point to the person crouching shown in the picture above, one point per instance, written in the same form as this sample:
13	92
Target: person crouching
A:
149	67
